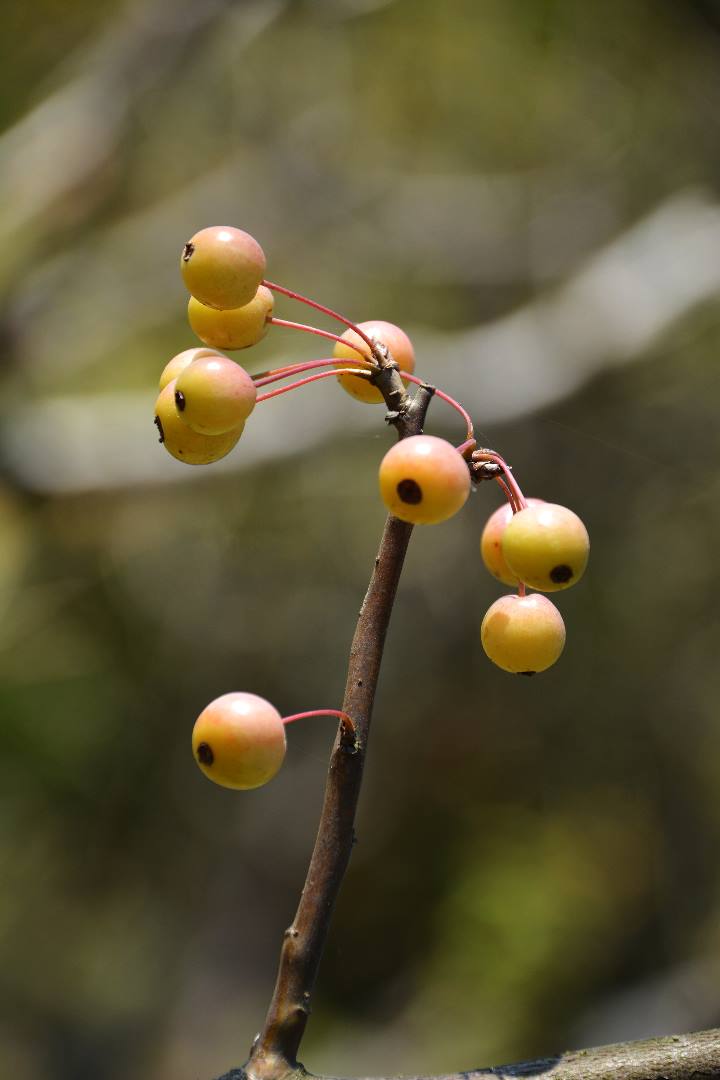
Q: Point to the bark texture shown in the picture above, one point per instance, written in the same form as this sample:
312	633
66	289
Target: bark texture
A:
694	1056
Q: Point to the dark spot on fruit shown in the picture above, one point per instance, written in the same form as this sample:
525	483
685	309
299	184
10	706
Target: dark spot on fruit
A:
180	400
560	574
187	251
527	672
205	754
158	425
409	492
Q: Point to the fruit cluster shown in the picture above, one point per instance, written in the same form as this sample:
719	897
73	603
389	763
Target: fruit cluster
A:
203	404
206	398
543	546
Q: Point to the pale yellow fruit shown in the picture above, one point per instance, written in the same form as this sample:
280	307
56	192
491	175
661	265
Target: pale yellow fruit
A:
181	441
239	741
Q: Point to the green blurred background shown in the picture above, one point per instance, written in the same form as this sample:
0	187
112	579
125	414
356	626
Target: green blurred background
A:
532	190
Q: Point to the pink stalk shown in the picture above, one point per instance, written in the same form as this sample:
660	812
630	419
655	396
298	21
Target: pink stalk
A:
466	447
445	397
304	382
265	377
347	720
511	499
508	494
311	330
490	455
319	307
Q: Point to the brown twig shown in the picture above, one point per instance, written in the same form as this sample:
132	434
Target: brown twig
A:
674	1057
274	1052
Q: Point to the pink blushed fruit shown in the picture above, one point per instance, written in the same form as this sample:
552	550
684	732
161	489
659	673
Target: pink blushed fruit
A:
239	741
233	328
546	546
214	395
178	363
491	542
181	441
222	266
424	480
395	339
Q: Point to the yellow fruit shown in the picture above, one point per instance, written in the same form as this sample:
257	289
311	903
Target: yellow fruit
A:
491	542
546	546
222	266
178	363
214	395
239	741
184	443
523	634
233	328
424	480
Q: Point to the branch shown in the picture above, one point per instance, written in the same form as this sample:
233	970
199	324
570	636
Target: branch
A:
675	1057
274	1052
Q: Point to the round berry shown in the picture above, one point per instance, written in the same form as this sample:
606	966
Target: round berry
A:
491	542
546	546
233	328
523	634
214	395
424	480
184	443
395	339
239	741
222	266
180	362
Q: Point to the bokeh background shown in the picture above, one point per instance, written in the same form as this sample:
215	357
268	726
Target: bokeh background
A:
530	189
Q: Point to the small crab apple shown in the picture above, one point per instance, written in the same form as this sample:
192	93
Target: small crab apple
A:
491	542
178	363
523	634
424	480
213	394
546	546
222	266
395	340
232	328
181	441
239	741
